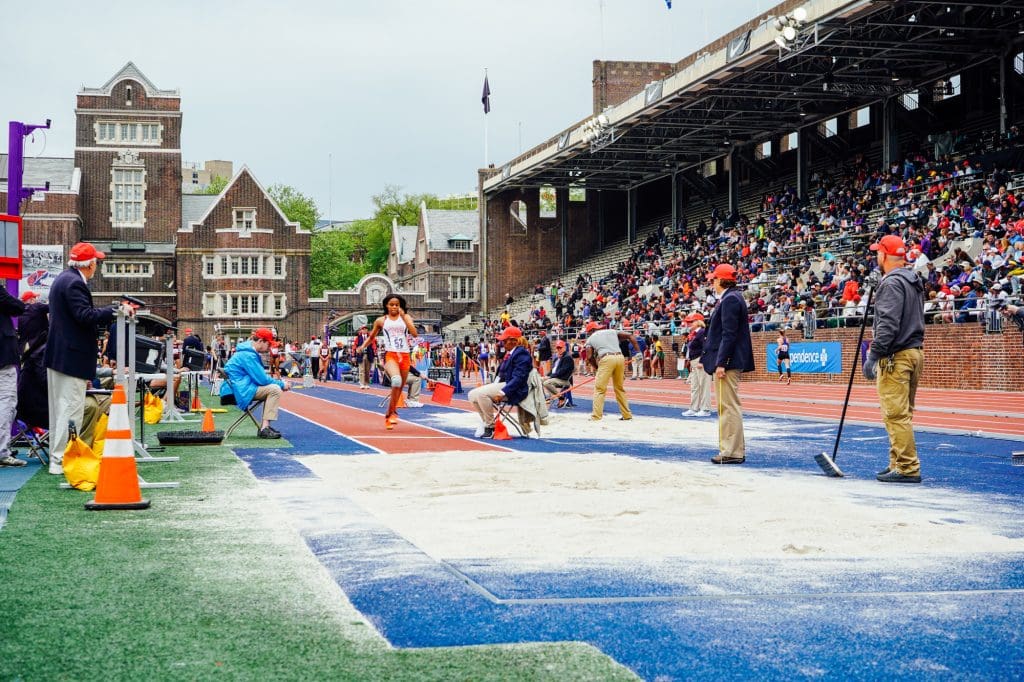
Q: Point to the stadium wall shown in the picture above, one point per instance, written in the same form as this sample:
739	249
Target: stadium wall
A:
956	356
616	81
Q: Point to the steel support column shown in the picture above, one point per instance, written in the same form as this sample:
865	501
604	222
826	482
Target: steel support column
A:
1002	92
734	180
631	212
563	212
802	162
890	140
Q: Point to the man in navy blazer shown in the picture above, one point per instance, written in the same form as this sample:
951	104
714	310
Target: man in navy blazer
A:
9	361
511	386
728	353
71	349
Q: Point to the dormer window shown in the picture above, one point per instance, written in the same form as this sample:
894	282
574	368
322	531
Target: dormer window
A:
459	244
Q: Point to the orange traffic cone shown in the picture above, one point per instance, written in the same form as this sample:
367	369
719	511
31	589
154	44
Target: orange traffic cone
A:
500	430
208	421
118	484
401	400
197	405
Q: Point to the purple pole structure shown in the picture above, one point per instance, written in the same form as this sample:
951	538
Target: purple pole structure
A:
16	191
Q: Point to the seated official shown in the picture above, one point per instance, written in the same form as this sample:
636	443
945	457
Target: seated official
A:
562	369
513	374
249	381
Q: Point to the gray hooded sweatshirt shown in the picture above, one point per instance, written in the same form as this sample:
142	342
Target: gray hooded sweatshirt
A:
899	313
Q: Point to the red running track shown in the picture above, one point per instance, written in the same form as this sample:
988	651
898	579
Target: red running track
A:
992	413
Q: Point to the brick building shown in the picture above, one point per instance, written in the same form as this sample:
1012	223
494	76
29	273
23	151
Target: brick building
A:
230	262
439	258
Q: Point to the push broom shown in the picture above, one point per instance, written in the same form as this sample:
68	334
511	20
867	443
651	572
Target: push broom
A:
828	464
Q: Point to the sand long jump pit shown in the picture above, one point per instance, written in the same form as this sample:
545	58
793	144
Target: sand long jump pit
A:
617	506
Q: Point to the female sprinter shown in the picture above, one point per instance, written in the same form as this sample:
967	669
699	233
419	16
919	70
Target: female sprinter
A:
397	326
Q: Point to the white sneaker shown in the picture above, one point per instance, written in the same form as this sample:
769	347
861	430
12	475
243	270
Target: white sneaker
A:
690	413
413	403
56	468
703	413
12	461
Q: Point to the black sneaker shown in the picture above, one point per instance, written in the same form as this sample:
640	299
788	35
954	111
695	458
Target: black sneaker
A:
883	472
268	432
488	432
897	477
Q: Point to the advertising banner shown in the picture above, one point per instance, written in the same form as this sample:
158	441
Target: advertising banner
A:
809	358
41	266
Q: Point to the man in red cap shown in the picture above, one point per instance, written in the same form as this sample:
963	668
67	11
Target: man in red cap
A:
700	382
560	376
249	381
898	338
728	353
71	350
609	364
511	385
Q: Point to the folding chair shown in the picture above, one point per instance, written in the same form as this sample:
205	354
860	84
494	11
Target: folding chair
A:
37	440
228	398
505	414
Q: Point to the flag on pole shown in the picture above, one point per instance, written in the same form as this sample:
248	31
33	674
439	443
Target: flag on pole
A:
486	97
669	3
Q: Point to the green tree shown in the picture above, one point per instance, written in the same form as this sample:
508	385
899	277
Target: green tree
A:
295	205
216	186
330	265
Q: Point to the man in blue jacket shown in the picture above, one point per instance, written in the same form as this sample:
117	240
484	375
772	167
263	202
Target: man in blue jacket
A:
511	385
728	353
71	348
249	381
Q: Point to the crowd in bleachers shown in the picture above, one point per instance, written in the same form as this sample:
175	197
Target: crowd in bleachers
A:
804	263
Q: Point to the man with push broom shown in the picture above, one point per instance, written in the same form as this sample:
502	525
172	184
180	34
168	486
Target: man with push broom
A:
895	359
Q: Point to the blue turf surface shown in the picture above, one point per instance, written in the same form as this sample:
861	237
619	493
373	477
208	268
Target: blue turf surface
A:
912	618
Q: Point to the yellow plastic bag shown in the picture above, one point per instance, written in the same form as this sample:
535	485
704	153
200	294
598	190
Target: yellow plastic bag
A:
81	464
152	409
99	436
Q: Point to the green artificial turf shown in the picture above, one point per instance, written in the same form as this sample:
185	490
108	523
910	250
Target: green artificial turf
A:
208	583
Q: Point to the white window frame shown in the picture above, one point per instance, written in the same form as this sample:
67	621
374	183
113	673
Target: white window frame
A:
462	287
241	265
128	133
245	304
122	198
125	269
243	220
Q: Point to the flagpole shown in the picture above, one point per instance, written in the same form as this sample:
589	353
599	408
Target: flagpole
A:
486	133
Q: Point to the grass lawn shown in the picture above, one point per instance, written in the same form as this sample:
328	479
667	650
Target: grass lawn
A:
209	583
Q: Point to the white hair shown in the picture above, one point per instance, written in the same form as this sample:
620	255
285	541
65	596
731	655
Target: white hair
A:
79	264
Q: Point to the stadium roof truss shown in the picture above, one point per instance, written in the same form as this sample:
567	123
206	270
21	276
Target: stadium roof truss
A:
849	54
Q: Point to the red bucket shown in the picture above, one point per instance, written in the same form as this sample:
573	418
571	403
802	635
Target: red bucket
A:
442	393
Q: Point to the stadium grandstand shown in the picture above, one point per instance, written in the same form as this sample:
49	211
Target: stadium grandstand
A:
784	148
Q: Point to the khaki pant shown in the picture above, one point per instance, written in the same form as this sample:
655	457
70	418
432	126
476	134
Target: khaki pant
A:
897	389
611	367
67	403
481	400
700	388
271	393
554	386
730	415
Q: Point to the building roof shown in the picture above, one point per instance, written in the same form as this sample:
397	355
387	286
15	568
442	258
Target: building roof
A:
195	206
405	242
441	226
130	71
60	172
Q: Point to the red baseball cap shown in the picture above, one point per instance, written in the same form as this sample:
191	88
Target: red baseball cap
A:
510	333
188	330
559	344
891	245
723	271
263	334
592	326
83	251
27	296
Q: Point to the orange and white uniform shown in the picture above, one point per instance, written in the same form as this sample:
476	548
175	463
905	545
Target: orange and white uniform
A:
396	341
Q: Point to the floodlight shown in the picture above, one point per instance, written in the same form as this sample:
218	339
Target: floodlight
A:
800	14
789	33
781	42
602	120
778	24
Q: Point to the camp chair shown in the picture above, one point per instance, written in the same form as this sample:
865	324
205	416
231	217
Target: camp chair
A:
227	397
36	440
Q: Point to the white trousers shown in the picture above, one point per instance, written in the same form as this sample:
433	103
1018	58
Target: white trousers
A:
8	405
481	399
67	403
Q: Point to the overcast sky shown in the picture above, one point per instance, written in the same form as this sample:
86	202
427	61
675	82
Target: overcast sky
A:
368	93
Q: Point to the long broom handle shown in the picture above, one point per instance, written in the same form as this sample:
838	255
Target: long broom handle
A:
572	386
853	372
